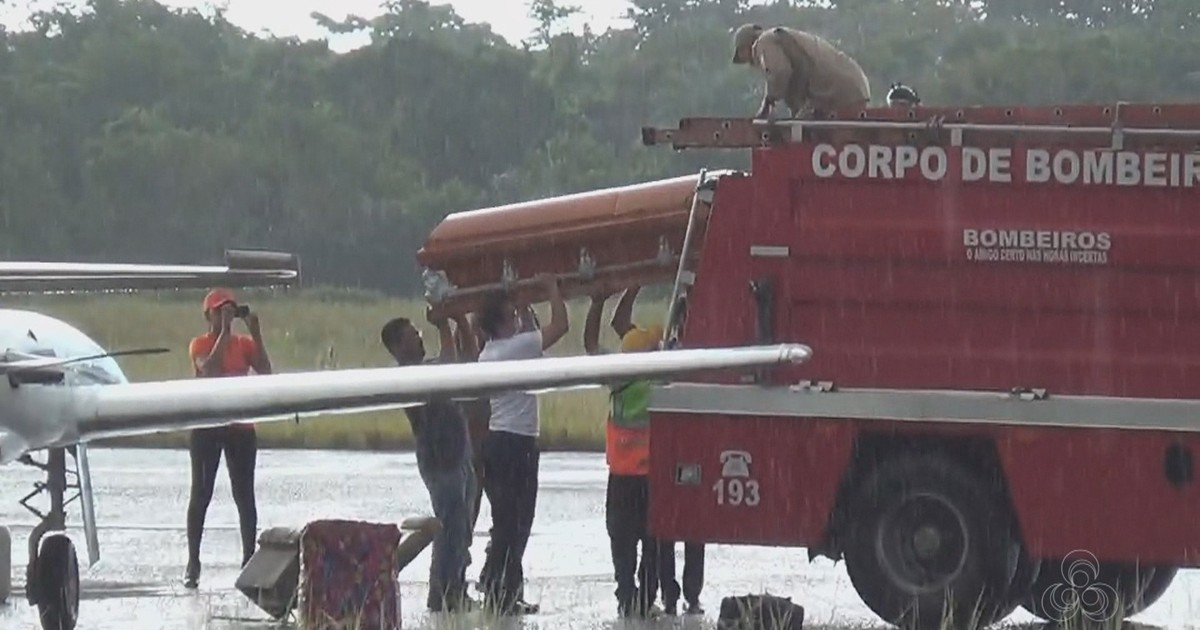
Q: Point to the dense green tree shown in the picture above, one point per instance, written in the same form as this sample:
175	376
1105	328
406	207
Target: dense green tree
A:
133	131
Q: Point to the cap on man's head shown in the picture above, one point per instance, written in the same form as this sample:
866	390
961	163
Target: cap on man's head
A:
641	339
217	297
743	39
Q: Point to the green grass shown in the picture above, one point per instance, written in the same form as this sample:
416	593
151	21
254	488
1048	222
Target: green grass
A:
314	329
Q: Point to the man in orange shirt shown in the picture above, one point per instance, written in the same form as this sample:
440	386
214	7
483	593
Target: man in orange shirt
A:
218	353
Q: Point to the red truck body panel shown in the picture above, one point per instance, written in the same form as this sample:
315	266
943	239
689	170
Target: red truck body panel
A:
798	466
1101	490
1045	264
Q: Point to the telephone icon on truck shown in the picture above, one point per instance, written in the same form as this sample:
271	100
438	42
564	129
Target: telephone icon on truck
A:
735	464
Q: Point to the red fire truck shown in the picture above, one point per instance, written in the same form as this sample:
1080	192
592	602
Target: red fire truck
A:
1003	305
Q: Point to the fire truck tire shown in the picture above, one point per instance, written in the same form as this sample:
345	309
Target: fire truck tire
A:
1024	573
1155	586
923	544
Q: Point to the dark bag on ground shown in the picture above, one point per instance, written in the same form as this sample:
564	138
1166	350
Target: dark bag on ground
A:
759	612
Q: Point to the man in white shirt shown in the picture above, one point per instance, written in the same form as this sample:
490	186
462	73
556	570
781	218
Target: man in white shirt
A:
510	452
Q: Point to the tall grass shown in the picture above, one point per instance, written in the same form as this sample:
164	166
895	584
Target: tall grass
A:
314	329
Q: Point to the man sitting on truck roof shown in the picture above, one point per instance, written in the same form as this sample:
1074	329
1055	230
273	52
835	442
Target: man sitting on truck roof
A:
803	69
627	449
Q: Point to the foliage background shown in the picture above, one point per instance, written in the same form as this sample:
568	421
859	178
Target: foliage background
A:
137	132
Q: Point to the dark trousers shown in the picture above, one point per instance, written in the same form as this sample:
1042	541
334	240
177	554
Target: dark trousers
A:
240	445
478	412
477	494
693	573
510	479
626	506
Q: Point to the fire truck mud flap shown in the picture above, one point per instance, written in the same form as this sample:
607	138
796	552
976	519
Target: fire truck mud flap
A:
930	542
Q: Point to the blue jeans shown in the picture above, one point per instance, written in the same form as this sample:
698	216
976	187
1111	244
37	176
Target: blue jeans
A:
452	493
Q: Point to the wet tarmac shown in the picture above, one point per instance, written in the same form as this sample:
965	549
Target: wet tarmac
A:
142	497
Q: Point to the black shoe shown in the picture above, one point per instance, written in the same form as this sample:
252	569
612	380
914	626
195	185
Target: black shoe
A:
670	608
505	607
693	608
191	576
625	603
521	607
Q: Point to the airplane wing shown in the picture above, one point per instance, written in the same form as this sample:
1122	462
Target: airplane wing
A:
106	411
12	361
243	268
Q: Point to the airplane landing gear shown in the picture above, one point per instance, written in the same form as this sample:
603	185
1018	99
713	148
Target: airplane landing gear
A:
58	583
52	575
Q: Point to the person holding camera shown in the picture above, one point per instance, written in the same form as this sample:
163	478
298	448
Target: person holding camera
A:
220	352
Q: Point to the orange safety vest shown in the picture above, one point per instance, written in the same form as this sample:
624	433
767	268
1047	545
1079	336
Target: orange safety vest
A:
627	434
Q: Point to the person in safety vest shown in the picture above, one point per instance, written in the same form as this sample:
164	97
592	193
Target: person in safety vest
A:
803	70
627	450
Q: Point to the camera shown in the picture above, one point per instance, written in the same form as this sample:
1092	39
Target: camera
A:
241	310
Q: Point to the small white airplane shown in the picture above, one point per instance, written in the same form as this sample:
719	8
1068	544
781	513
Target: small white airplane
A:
64	391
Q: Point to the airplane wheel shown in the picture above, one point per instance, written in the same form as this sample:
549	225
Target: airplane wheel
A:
5	564
58	583
924	546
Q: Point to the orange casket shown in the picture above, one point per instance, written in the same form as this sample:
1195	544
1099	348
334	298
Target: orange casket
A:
615	236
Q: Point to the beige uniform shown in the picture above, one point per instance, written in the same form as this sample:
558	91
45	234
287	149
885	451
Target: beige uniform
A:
806	71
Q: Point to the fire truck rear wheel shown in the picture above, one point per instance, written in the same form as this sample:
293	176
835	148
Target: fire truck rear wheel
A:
928	542
1156	585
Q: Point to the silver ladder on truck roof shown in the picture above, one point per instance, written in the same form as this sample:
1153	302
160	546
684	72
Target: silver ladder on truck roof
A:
684	275
1118	126
1019	408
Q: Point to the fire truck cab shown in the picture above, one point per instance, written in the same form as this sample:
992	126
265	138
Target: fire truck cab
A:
1003	306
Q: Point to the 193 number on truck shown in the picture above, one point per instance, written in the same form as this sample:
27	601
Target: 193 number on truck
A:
735	486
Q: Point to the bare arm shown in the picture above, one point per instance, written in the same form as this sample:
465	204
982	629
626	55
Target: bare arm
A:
467	342
210	365
449	352
770	57
622	319
260	361
558	325
591	327
777	67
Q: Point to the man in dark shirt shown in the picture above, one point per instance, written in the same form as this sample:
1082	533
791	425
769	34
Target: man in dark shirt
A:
444	457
